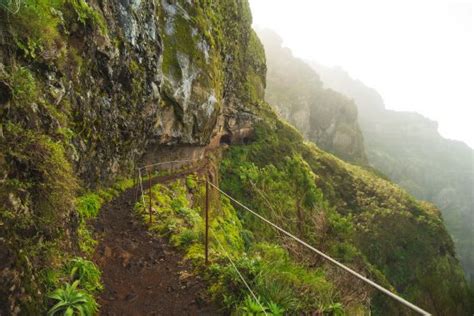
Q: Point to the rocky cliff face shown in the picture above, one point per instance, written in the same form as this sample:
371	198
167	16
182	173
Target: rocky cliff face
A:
324	116
88	87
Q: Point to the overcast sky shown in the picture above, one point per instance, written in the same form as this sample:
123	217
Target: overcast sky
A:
419	54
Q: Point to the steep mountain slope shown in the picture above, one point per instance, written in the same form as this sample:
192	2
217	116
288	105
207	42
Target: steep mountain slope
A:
408	148
91	89
352	214
323	115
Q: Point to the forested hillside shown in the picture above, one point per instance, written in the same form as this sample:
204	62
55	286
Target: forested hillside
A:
409	150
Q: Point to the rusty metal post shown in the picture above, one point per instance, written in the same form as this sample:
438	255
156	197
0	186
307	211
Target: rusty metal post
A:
149	191
136	182
206	241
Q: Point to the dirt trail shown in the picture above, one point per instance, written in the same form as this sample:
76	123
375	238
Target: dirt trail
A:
142	274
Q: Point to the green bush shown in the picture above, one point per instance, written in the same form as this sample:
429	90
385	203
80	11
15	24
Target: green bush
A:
251	307
88	205
87	243
86	15
86	272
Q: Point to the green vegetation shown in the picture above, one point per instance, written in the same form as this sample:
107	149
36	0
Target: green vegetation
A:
72	301
86	272
348	212
37	22
276	278
282	284
88	205
413	154
80	104
252	307
86	15
36	25
39	188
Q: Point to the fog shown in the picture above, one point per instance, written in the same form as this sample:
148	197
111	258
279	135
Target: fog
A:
418	54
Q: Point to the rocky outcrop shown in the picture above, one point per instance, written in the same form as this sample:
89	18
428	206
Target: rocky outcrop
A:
324	116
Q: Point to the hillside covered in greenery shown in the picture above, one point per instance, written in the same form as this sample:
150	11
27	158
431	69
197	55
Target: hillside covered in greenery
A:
352	214
91	90
404	146
409	150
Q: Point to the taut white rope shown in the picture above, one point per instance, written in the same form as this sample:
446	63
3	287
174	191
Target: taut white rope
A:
238	272
328	258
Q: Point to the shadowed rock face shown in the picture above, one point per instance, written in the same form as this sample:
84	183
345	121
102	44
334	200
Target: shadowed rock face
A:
152	75
5	93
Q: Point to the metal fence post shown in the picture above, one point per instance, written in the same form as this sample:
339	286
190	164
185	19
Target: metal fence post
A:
149	191
206	241
136	182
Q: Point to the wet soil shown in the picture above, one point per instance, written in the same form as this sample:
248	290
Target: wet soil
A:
142	274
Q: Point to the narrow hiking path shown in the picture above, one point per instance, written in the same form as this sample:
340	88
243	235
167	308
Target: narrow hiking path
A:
142	274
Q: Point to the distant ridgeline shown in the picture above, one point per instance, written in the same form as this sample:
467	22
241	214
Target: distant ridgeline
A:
409	150
323	115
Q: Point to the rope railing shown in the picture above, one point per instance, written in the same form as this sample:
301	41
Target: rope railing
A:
226	254
328	258
239	273
139	179
305	244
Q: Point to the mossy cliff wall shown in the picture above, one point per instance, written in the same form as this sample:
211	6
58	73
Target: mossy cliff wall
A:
88	87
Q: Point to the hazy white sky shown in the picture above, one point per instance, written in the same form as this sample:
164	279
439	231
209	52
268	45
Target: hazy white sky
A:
419	54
